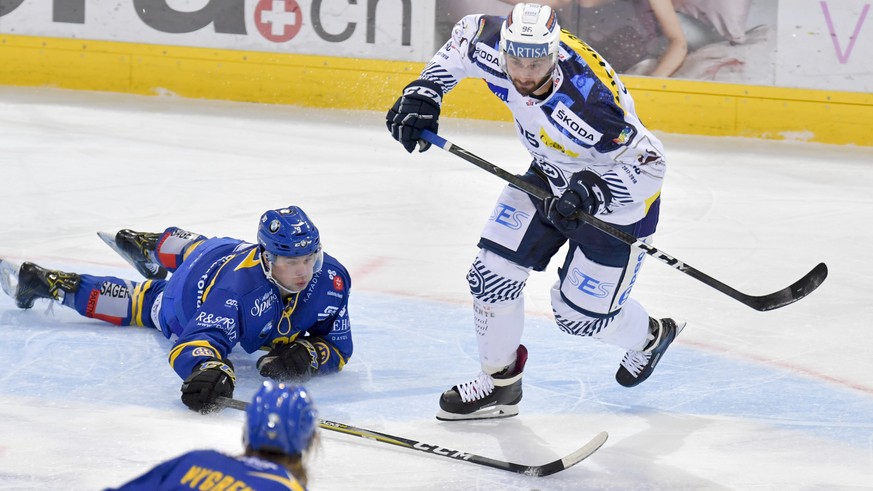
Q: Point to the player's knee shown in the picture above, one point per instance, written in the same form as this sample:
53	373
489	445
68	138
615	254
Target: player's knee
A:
577	321
493	279
174	246
583	325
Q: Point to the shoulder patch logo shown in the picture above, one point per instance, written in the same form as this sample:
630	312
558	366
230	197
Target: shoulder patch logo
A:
624	136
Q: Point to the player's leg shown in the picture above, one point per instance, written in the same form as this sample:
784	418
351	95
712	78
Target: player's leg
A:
592	298
515	241
155	254
114	300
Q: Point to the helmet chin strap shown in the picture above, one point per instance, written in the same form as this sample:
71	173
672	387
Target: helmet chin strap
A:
547	81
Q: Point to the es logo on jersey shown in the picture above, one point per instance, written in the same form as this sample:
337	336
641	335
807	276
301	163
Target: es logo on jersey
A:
589	285
577	128
509	216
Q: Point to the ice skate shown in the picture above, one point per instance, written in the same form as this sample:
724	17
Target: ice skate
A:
636	366
137	248
486	397
37	282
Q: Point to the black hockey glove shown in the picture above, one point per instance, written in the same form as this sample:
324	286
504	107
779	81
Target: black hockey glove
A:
208	381
296	361
587	192
416	110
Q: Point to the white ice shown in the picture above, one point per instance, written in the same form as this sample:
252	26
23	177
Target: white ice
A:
743	400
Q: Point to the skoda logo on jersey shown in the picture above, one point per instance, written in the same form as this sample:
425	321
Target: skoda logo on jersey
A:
526	50
577	128
509	216
487	55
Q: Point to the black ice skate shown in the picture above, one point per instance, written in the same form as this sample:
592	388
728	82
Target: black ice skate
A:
636	366
138	249
37	282
486	397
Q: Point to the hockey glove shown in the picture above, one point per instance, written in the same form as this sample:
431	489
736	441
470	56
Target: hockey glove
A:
296	361
416	110
208	381
586	193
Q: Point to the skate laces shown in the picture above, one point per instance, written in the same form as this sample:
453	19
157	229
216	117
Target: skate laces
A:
476	389
635	361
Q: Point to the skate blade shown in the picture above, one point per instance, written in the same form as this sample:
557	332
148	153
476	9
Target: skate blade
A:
109	239
9	277
495	412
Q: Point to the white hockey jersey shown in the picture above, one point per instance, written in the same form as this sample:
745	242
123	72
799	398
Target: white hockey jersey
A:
587	122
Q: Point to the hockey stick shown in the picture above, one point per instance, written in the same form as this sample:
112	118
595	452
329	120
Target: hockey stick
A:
528	470
790	294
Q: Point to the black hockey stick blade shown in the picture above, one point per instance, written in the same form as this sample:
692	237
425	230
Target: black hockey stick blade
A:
799	289
528	470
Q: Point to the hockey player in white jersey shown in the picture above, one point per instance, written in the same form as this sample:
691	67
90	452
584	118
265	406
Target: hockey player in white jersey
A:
590	149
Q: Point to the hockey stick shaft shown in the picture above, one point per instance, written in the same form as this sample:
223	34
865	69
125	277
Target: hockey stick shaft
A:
536	470
780	298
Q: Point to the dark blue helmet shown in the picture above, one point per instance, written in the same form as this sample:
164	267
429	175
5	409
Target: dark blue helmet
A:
280	419
288	232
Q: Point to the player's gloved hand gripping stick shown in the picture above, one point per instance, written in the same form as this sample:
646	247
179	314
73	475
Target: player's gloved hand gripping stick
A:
790	294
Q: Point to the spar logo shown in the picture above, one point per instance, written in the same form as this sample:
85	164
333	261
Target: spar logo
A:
278	21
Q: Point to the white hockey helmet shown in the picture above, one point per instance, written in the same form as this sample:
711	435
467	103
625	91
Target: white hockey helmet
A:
530	31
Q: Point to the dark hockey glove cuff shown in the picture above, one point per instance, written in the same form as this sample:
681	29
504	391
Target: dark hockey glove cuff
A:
296	361
416	110
208	381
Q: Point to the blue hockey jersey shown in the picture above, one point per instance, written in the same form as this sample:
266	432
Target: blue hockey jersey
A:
220	297
208	469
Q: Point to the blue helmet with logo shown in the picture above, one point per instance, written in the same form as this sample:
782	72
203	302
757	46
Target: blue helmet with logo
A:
288	232
280	419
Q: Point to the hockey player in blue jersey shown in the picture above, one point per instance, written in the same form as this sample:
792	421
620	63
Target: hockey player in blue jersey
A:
590	150
283	294
279	430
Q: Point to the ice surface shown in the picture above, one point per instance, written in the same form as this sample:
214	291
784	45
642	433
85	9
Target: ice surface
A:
743	400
